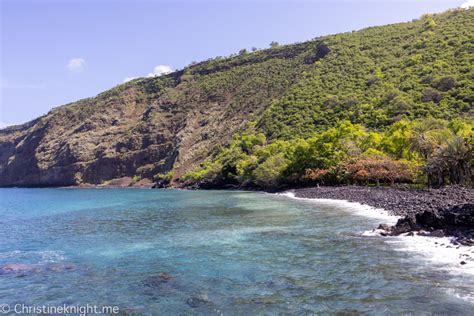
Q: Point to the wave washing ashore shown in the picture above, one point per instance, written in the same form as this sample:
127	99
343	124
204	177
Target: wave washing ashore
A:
181	252
438	224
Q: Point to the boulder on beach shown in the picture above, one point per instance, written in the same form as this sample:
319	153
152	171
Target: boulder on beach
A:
456	221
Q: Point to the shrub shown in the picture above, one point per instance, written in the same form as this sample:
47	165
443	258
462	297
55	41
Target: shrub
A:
445	83
165	176
136	178
431	95
316	175
268	174
379	169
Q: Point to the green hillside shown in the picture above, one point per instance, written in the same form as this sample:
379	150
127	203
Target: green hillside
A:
379	75
385	104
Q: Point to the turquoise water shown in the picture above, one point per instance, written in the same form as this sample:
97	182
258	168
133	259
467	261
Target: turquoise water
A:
209	252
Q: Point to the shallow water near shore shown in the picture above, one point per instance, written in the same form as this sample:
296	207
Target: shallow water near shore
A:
212	252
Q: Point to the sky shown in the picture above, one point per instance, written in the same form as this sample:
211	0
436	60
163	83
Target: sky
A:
54	52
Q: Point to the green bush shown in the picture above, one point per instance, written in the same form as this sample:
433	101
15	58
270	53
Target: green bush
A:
348	153
136	178
165	176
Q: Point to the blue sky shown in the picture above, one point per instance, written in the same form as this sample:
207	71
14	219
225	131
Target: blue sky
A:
55	52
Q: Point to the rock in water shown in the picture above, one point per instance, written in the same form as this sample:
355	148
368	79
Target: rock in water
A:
157	280
22	268
198	300
17	268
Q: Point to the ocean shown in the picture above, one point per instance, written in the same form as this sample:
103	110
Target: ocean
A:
171	252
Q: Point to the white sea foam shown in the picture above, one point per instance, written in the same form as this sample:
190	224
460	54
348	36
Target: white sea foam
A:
353	207
438	252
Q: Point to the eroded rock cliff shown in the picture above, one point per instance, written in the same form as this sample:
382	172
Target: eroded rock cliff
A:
149	125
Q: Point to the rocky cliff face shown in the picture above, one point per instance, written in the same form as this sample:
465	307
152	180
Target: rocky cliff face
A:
149	125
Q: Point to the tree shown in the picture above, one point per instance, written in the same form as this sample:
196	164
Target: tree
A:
426	136
431	95
396	140
274	44
379	169
445	83
452	161
268	174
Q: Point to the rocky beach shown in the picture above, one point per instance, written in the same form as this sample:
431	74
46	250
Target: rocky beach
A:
443	212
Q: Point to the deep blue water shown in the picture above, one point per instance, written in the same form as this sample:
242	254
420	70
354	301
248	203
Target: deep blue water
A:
209	252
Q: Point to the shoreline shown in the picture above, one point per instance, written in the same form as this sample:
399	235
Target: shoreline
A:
442	252
443	212
398	201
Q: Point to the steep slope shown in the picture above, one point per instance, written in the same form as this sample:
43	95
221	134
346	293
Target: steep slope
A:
149	125
378	75
153	125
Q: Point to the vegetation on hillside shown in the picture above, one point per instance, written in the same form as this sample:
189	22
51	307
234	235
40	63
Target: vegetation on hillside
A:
429	151
380	75
382	105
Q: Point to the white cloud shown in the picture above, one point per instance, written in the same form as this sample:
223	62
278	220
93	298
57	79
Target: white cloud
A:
160	70
157	71
76	65
467	4
128	79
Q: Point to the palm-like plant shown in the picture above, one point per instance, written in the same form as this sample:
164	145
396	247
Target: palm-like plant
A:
457	154
451	160
426	136
448	155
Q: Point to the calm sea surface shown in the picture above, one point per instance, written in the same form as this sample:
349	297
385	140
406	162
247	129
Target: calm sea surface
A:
210	252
